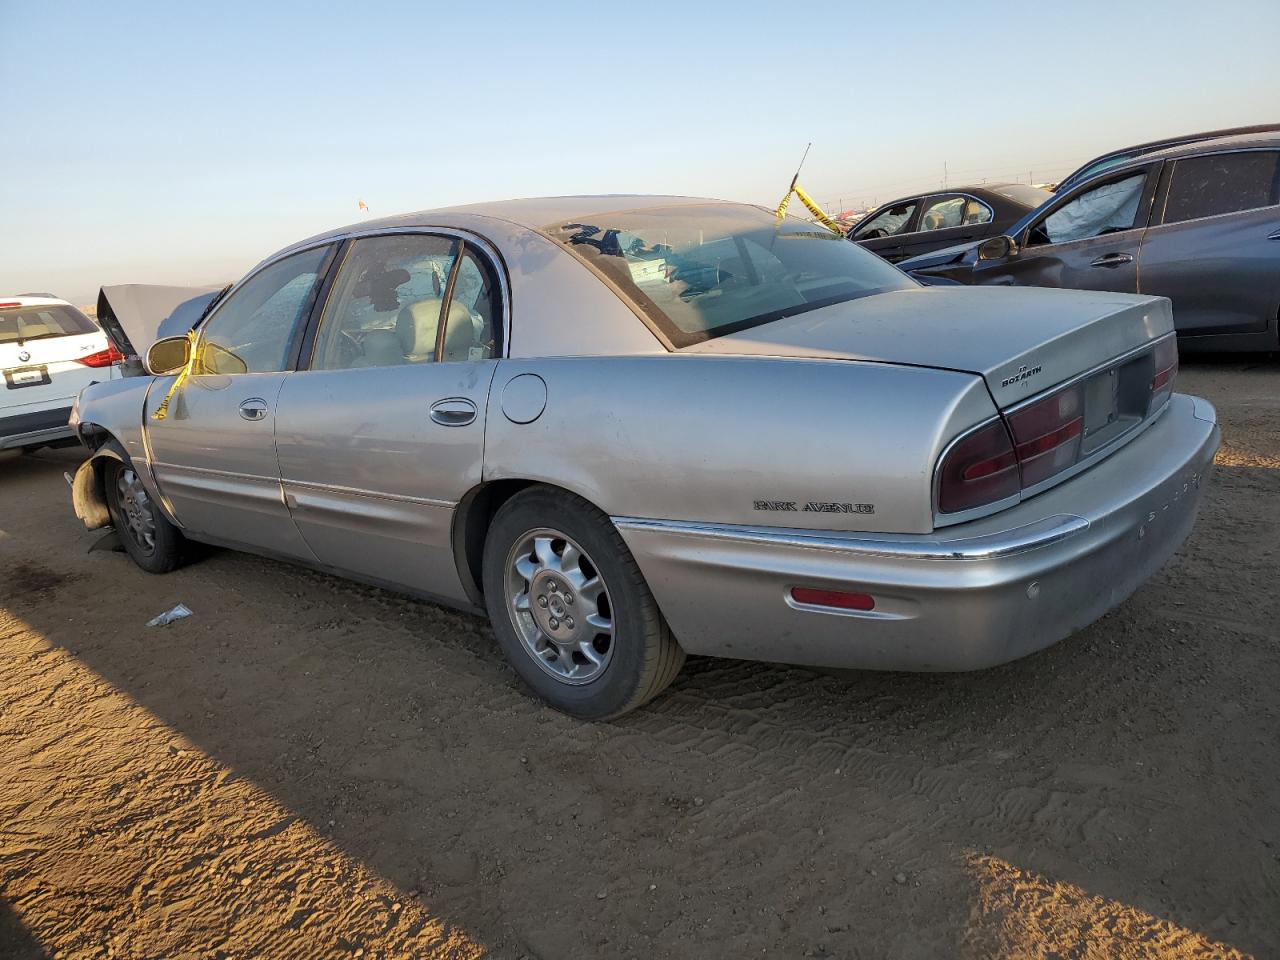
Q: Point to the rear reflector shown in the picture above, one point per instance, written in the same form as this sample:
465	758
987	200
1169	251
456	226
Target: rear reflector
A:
103	358
11	304
811	596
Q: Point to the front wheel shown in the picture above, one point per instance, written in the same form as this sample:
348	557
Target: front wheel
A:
155	544
571	609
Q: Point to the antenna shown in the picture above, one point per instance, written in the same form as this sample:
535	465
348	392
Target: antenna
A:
796	178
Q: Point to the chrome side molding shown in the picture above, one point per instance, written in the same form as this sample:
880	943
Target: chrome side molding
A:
990	546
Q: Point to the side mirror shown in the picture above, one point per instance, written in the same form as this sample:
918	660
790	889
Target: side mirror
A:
168	355
997	248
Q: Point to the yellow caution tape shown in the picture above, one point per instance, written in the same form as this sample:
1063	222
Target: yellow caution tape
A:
162	411
808	201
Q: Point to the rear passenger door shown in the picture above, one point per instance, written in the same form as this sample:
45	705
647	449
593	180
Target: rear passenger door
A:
1216	249
946	220
381	430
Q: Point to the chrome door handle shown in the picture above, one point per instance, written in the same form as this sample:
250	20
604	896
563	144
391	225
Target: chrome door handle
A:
1112	260
453	412
254	409
1274	236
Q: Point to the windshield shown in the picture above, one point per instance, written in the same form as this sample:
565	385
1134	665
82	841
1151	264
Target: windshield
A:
38	322
707	270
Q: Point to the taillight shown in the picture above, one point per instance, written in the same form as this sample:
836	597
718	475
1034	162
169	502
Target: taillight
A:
978	469
1165	372
1046	434
103	358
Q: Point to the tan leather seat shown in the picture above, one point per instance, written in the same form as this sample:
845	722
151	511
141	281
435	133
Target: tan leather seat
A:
418	323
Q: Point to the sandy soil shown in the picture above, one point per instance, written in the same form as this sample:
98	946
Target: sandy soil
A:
312	768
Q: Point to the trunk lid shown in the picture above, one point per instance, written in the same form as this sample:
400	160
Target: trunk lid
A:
1020	340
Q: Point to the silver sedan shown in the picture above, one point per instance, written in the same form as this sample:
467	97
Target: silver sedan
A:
634	427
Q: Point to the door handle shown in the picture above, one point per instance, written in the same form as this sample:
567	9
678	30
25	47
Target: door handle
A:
1274	236
254	409
453	412
1113	260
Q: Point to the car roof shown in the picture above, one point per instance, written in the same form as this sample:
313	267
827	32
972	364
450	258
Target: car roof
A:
1242	141
533	212
33	301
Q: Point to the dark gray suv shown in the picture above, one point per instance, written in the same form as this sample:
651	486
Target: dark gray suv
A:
1198	223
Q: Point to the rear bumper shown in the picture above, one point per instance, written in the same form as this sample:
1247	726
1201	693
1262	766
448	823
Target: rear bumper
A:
33	429
970	596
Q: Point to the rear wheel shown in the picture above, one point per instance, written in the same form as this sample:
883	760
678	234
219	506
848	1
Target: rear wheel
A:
154	543
571	609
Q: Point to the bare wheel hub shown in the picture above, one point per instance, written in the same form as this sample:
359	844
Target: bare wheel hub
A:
559	606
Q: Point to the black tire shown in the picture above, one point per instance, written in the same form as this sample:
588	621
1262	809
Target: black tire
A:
643	657
167	548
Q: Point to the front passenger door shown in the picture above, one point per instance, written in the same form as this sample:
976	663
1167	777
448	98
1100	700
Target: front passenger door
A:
213	454
1090	240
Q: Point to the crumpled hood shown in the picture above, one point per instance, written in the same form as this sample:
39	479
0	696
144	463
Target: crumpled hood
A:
132	314
1019	339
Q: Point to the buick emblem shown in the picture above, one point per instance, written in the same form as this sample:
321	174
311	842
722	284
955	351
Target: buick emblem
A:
24	355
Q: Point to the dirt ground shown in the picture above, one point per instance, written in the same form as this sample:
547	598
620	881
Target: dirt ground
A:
309	768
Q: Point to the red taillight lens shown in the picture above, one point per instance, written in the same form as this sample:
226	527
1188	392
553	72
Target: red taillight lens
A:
980	468
833	598
1047	434
103	358
1165	359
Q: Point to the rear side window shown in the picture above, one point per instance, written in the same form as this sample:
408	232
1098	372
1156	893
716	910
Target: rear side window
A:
42	322
1223	183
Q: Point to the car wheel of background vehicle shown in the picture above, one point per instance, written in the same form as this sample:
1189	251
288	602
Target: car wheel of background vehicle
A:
571	609
154	543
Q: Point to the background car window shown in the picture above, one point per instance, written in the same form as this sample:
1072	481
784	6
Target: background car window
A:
887	223
386	304
470	333
1225	183
1105	209
38	322
252	329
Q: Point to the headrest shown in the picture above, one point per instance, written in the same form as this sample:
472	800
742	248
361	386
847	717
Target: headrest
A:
417	324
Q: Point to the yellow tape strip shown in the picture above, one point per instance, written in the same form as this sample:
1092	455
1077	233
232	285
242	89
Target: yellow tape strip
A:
817	211
162	411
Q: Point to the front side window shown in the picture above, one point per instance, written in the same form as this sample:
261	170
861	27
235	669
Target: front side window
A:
20	324
887	223
700	271
390	296
252	330
1223	183
1106	209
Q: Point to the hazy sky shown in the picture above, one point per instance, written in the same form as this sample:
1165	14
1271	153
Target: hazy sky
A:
176	142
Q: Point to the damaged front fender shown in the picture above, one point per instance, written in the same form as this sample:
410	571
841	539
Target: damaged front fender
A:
88	490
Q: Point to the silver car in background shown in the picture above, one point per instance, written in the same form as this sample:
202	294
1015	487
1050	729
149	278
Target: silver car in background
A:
632	428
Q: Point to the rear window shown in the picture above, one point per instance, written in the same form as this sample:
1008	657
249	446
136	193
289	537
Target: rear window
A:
703	271
1021	193
40	322
1223	183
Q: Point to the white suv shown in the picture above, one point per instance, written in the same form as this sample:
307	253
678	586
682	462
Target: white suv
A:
49	351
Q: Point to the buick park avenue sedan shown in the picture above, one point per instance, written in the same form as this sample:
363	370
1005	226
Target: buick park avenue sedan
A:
631	428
